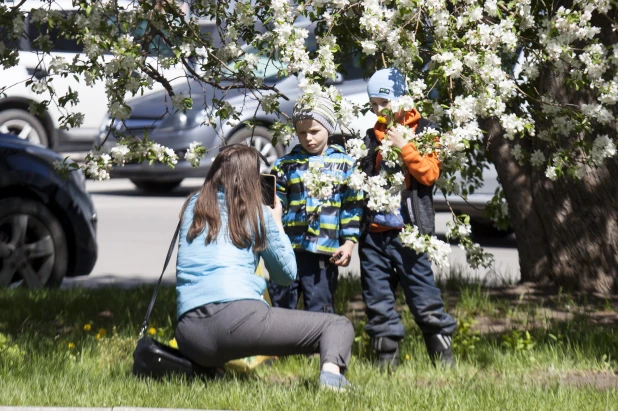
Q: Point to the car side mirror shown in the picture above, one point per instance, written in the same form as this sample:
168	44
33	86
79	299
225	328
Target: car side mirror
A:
338	79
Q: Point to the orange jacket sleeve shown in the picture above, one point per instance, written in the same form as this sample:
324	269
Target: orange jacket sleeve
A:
425	169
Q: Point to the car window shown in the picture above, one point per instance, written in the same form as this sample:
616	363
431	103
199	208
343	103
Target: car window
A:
267	68
351	65
60	43
8	41
353	68
209	30
63	44
157	46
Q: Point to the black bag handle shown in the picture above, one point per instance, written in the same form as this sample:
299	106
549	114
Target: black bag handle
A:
144	326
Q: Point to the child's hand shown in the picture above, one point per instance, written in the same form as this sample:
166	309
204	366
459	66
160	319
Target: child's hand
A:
345	254
396	137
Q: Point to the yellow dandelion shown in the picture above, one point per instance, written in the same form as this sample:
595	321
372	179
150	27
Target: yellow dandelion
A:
382	119
173	343
102	333
87	327
407	357
71	346
152	331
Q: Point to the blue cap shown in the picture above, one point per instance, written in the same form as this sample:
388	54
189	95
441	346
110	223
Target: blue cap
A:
387	83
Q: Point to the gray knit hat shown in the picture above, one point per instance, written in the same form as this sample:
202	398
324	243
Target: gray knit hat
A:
323	112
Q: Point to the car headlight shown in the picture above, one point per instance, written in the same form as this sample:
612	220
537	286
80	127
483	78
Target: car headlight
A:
182	121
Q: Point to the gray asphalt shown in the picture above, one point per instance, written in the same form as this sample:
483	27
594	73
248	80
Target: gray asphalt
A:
135	229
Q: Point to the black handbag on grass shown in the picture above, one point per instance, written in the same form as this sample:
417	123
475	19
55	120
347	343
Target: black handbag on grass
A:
156	360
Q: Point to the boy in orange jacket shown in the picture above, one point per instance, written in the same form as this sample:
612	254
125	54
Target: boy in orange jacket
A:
385	261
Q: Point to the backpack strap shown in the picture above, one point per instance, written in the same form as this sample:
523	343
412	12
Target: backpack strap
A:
144	326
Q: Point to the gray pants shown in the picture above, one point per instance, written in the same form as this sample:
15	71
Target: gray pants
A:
213	334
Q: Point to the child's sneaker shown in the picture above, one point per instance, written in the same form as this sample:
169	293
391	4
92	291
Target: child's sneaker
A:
440	350
335	382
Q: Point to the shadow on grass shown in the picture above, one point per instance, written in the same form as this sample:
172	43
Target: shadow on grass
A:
519	322
53	313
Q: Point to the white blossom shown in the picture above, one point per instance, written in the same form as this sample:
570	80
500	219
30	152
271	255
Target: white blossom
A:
357	179
602	148
551	173
40	86
120	153
319	184
512	125
356	148
369	47
597	112
194	153
179	102
471	76
518	154
405	103
119	111
537	158
270	103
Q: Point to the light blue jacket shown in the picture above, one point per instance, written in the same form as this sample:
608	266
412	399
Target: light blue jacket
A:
220	271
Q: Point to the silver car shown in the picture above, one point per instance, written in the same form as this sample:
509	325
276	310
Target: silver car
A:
178	130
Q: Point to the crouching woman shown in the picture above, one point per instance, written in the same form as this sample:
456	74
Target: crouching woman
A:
222	316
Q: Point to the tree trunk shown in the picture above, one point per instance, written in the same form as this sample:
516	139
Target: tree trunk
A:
566	231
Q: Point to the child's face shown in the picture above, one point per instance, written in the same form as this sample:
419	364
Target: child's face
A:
312	136
378	104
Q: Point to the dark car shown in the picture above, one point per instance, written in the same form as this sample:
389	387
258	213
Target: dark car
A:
47	222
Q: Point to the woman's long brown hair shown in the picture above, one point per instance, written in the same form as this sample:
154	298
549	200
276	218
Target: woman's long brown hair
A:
236	169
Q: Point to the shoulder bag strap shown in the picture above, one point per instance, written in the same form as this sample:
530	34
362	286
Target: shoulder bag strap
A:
144	326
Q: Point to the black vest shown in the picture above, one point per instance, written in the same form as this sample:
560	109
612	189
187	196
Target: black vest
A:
416	201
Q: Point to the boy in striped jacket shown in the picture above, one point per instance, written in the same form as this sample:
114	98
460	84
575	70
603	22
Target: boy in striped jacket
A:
322	228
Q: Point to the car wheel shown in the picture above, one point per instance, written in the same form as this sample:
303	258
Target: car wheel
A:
33	246
24	125
156	186
485	228
260	138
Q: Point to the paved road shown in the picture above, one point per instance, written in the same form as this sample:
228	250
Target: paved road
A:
135	229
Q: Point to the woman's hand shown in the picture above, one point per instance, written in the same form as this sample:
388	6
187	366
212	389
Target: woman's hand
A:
277	212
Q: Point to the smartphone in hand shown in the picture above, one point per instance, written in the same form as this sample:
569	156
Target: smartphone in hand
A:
268	183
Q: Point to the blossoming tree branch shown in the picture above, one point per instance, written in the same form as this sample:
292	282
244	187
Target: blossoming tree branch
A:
529	85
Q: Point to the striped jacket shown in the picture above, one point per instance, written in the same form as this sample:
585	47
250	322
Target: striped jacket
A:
314	225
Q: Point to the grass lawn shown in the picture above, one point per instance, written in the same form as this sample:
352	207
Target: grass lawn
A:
518	348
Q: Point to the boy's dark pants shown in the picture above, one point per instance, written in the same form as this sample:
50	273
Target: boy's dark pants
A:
385	262
316	279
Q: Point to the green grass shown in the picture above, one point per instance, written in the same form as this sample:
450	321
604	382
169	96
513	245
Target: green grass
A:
497	370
